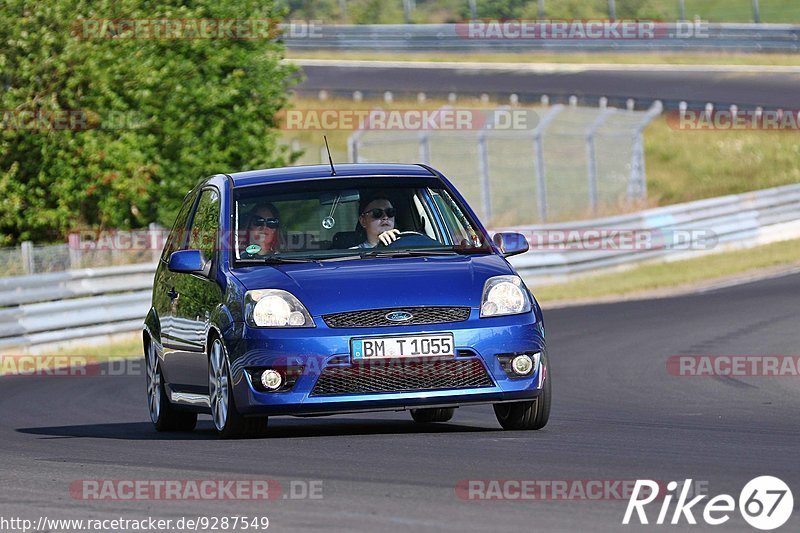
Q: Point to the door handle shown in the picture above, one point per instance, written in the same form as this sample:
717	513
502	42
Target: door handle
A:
172	293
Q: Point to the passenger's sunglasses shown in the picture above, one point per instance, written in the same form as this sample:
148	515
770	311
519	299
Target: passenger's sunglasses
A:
377	213
261	222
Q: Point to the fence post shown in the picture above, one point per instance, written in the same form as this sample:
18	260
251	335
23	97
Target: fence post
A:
424	148
756	12
681	9
26	250
352	146
612	9
473	9
483	166
637	182
74	243
155	244
538	144
407	8
541	9
591	156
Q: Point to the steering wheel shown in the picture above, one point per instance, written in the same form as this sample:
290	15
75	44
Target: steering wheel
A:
413	238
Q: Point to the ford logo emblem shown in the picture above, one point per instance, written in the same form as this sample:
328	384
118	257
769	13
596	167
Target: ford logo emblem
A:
399	316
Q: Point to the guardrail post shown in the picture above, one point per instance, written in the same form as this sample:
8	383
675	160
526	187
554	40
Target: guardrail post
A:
681	9
612	9
26	249
541	9
756	12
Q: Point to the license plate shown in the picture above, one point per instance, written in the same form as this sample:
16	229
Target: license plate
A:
406	346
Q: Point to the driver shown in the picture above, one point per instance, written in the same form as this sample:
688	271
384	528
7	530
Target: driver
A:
377	219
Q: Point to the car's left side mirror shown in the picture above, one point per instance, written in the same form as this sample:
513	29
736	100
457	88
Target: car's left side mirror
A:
511	243
186	261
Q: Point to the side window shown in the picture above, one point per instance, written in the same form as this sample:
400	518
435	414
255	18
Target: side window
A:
457	229
177	236
205	224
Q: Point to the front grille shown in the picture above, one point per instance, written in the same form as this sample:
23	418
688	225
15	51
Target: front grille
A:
401	376
377	317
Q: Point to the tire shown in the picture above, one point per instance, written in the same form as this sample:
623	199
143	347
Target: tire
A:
229	423
164	415
530	414
435	414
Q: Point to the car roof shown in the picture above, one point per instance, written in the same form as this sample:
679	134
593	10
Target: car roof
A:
287	174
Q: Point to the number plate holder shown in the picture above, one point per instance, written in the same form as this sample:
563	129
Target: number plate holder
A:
402	346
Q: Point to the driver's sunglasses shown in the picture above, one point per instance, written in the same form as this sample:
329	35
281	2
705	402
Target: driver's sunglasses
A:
261	222
377	213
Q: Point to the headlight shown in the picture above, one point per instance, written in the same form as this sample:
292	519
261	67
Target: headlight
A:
504	295
274	308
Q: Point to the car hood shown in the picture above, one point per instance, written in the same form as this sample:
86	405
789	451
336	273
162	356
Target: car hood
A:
336	286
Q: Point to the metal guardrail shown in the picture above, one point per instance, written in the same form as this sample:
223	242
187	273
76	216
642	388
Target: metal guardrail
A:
439	38
61	306
52	308
675	232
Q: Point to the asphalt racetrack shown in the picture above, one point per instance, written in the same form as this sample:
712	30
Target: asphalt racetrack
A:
618	414
771	90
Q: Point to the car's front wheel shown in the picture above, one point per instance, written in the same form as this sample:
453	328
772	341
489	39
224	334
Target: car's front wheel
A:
434	414
229	423
163	414
530	414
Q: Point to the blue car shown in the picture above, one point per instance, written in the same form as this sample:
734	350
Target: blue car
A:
315	290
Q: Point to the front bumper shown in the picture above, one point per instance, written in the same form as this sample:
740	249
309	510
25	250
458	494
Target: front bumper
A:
315	349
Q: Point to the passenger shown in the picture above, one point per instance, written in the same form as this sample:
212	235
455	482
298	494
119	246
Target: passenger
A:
262	235
377	219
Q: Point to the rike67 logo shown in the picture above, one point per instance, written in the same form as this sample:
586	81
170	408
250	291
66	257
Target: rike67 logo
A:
765	503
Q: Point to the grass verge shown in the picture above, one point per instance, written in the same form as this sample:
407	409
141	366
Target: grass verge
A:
674	275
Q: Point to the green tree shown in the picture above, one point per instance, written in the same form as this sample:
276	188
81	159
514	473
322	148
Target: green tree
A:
161	112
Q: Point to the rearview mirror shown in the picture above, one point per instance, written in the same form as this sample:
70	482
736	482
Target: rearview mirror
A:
511	243
186	261
340	197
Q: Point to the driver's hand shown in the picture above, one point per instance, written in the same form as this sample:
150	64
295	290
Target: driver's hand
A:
389	236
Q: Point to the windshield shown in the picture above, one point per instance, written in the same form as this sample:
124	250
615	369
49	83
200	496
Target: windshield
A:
351	218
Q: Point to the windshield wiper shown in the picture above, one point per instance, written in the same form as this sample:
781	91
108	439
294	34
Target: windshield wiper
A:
277	260
405	253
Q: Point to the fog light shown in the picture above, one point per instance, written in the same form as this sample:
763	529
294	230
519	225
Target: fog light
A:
522	364
271	379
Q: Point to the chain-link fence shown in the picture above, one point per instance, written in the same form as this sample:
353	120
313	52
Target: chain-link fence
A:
104	248
575	163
